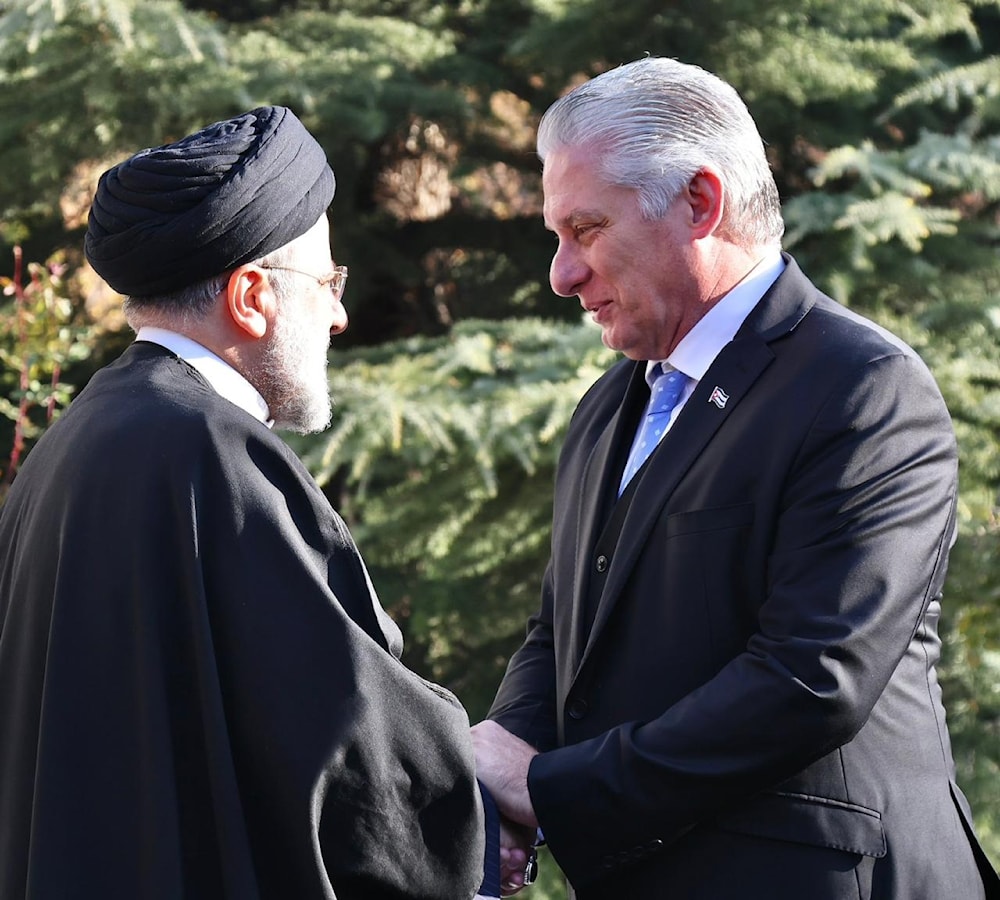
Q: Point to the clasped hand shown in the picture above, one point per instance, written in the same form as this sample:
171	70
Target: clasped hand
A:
502	761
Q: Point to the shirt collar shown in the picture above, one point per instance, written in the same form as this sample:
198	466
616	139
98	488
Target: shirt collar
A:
223	378
699	347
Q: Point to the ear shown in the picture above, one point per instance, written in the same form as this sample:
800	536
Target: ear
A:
707	202
250	301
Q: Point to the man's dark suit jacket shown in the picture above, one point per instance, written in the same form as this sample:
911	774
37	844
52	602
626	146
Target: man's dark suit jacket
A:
732	673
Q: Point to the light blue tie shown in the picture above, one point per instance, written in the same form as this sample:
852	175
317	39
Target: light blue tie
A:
665	391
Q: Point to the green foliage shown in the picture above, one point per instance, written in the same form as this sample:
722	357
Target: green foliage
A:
62	71
355	77
448	448
975	83
913	221
486	390
33	22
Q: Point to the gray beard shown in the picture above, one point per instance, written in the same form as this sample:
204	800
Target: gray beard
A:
292	376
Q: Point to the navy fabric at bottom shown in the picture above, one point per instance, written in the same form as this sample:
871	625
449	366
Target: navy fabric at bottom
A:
491	863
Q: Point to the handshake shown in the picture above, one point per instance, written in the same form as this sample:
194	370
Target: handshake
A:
502	761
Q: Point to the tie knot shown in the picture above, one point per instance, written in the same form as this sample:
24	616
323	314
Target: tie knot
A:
665	390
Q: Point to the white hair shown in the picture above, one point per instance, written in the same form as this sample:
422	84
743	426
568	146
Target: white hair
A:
657	123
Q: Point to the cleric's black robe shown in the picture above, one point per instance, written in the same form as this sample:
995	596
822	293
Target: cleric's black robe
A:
200	696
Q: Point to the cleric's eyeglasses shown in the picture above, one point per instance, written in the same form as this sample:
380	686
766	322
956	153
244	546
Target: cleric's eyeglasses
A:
336	281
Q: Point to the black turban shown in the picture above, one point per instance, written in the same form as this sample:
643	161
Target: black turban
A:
175	215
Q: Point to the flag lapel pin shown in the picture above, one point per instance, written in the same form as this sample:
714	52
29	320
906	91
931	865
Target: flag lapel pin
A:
719	397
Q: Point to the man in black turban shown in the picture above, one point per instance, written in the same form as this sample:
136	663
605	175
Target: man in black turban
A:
201	695
234	192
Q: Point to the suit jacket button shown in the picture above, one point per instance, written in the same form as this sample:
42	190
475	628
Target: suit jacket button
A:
578	709
602	563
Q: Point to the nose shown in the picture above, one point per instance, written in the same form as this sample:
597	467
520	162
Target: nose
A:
339	324
568	271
